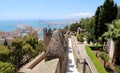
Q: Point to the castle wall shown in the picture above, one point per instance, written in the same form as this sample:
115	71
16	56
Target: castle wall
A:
57	48
47	33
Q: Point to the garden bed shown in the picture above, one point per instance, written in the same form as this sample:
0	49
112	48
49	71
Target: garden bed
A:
99	58
100	68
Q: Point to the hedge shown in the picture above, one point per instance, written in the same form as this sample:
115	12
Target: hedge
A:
96	47
80	37
95	61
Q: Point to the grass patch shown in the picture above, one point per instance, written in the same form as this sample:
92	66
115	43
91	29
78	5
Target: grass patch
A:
95	61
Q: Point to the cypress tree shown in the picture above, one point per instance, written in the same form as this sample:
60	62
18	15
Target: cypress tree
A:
118	13
104	14
115	12
96	21
5	43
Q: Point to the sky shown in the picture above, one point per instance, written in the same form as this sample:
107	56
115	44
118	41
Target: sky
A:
48	9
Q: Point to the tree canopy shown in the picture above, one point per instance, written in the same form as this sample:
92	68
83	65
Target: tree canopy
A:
105	13
33	41
6	67
74	26
28	50
88	25
4	53
17	51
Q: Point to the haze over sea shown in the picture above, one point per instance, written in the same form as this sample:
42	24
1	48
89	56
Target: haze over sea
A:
11	25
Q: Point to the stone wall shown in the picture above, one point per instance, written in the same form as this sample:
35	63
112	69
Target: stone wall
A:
55	57
113	51
39	65
47	33
108	45
110	48
82	64
37	61
58	68
116	56
57	48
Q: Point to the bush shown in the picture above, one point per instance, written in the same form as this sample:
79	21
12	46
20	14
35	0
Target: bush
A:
96	47
117	68
105	58
95	61
103	55
100	40
89	37
80	37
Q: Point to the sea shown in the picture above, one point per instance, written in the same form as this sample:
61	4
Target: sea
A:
11	25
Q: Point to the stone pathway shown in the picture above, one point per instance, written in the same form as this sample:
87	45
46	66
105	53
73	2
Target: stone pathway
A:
71	67
83	54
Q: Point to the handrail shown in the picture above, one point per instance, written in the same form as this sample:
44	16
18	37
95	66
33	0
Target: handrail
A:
78	56
89	65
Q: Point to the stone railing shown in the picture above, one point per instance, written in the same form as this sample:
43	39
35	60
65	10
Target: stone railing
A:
81	63
58	68
42	56
77	57
75	51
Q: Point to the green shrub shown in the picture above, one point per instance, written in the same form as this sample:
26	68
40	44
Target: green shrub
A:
89	37
95	61
100	39
96	47
117	68
104	56
99	45
80	37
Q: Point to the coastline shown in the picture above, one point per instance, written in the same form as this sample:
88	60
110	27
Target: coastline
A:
12	25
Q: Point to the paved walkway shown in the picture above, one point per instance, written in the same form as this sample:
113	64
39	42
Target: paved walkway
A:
83	54
71	67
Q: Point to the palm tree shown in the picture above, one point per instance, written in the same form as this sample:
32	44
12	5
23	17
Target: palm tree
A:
113	30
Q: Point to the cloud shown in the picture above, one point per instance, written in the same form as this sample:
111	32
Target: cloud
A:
86	14
79	15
